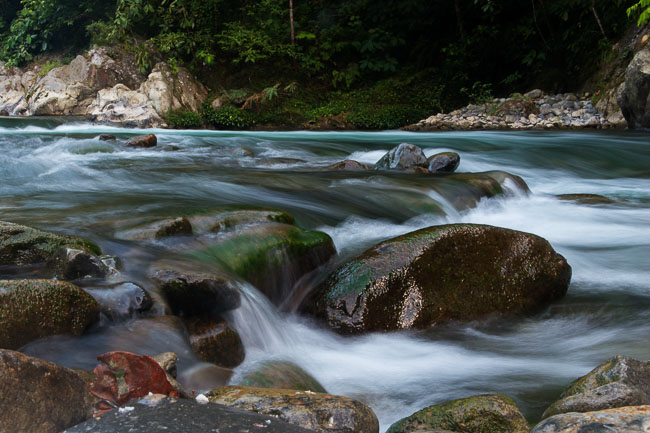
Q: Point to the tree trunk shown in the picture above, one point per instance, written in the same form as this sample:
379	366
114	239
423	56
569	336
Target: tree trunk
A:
593	9
293	34
459	20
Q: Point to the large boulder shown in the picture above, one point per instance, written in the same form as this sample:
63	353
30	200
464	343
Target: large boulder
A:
282	375
629	419
402	157
157	413
441	273
634	96
445	162
119	104
478	414
215	341
40	396
32	309
50	254
322	413
621	381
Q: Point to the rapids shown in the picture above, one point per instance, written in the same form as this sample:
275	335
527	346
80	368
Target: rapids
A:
57	175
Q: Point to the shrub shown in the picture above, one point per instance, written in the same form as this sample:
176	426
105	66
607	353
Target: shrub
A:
227	117
183	119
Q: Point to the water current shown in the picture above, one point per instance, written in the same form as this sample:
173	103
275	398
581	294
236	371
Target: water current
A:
57	175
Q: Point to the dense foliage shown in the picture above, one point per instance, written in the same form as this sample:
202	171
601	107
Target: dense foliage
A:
457	50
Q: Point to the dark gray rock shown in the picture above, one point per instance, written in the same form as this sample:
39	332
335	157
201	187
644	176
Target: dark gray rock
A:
187	416
404	156
633	97
121	301
445	162
106	137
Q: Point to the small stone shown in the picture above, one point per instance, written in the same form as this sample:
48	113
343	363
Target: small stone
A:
107	137
143	141
533	94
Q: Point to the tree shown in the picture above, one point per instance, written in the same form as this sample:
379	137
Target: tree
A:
643	9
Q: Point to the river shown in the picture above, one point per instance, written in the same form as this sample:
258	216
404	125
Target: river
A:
57	175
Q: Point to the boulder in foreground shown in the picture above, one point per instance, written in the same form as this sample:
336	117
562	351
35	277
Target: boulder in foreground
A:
438	274
629	419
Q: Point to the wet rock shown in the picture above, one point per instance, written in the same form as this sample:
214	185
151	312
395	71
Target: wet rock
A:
445	162
441	273
40	396
107	137
282	375
621	381
47	252
168	362
478	414
166	414
322	413
149	140
272	257
404	156
204	377
215	341
33	309
192	291
629	419
633	96
227	219
157	230
121	301
242	151
587	198
503	177
347	165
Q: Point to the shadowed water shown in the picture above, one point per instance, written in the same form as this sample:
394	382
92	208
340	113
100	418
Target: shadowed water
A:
59	176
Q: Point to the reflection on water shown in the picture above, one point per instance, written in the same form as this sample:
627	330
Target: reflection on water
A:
60	176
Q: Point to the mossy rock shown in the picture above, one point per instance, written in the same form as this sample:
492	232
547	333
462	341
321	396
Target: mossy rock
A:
157	230
46	251
282	375
225	219
588	199
272	257
489	413
33	309
438	274
618	382
215	341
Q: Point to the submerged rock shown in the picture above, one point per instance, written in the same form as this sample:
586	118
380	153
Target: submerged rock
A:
633	95
441	273
629	419
621	381
149	140
282	375
347	165
40	396
33	309
51	254
157	230
319	412
155	413
445	162
192	291
229	219
215	341
107	137
121	301
404	156
587	198
489	413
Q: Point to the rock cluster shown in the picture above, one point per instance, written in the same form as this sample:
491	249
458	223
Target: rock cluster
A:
534	110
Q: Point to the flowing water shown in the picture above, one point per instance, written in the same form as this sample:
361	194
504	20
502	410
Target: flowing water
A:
59	176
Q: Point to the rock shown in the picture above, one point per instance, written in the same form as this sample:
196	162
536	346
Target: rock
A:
533	94
347	165
242	151
587	198
229	219
119	104
630	419
157	230
107	137
633	96
215	341
33	309
40	396
272	256
168	362
621	381
192	291
121	301
446	162
154	413
149	140
282	375
478	414
51	254
438	274
322	413
401	157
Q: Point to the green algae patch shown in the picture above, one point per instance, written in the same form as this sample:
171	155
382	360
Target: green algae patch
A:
477	414
22	245
33	309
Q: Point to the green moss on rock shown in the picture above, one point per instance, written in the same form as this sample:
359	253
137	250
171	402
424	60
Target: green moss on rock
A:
282	375
32	309
224	219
